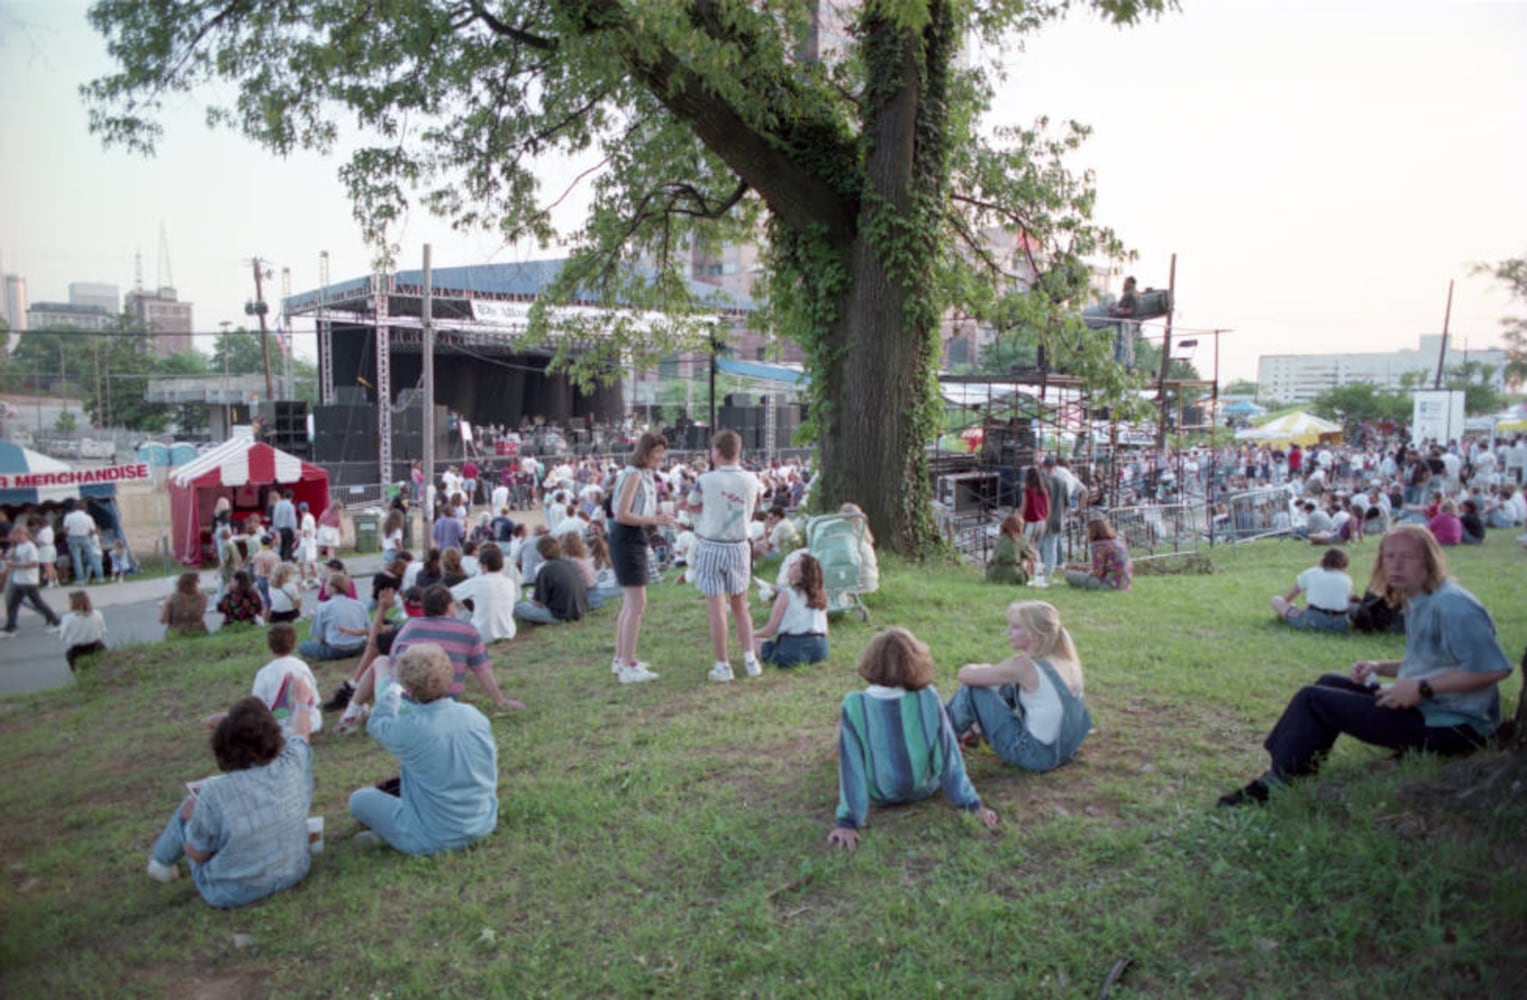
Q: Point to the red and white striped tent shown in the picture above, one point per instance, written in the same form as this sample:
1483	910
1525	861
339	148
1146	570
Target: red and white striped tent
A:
244	471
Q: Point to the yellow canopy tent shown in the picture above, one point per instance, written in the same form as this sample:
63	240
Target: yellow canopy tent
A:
1289	428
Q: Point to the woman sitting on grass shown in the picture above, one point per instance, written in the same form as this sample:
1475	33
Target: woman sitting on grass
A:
797	628
1012	558
1111	569
82	629
448	797
245	832
895	743
241	605
1029	706
1327	591
185	611
285	596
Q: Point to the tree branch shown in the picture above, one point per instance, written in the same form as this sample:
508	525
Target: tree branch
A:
509	31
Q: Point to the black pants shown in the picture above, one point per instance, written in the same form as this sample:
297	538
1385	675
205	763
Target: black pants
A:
288	538
73	653
1335	705
29	592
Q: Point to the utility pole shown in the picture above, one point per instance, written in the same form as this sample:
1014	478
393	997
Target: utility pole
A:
427	315
1166	356
1447	316
258	308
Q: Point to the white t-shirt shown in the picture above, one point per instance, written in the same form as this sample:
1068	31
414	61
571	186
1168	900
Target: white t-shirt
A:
1327	589
1043	712
21	553
267	687
801	619
493	597
78	523
76	629
727	497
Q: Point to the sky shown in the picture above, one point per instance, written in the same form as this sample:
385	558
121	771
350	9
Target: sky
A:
1321	169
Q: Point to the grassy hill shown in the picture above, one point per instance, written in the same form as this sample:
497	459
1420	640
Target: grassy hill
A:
668	839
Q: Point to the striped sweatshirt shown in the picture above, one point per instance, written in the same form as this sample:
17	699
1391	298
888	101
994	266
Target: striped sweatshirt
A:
897	746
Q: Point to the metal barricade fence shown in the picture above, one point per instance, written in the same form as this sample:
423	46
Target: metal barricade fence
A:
1253	514
1159	530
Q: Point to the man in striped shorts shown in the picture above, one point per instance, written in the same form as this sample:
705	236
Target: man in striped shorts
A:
722	566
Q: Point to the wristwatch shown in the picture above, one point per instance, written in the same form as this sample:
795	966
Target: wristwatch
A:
1425	687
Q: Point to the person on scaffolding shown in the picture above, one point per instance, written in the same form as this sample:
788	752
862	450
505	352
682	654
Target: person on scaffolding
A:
1125	330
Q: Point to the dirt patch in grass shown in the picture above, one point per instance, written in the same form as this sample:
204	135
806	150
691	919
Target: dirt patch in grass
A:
190	985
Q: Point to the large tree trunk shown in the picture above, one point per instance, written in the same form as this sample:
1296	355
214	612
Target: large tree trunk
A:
882	355
871	448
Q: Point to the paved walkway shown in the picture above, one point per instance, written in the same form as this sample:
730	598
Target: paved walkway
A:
33	660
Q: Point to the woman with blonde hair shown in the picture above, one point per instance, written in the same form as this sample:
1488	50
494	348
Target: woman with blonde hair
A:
285	596
1029	706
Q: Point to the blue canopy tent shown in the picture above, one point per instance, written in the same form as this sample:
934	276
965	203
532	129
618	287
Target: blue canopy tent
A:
30	479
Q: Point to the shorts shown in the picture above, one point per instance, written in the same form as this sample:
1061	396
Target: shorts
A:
722	569
631	556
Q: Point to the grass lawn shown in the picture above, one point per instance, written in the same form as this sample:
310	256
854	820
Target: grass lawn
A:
668	839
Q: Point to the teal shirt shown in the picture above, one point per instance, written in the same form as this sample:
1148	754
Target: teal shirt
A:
1450	630
897	749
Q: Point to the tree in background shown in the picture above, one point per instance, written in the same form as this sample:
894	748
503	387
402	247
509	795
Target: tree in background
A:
1356	403
1513	274
866	164
1241	387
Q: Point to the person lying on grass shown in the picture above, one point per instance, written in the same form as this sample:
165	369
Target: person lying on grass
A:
245	832
895	743
1447	695
1327	591
448	795
1029	706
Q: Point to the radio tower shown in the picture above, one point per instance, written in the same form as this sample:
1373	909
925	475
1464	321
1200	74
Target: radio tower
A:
163	278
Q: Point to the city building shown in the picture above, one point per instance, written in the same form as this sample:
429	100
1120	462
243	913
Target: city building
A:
67	315
160	312
15	306
1299	378
95	293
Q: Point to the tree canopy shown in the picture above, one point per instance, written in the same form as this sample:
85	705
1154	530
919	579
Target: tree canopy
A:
1512	273
859	148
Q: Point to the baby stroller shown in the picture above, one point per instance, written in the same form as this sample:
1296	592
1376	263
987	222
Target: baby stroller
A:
834	540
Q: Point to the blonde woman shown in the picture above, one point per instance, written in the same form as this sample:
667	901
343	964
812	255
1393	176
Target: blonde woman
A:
285	595
1029	706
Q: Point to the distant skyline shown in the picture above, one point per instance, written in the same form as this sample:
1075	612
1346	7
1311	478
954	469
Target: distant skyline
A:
1321	169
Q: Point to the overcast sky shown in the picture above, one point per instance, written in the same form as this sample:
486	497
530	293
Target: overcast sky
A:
1321	170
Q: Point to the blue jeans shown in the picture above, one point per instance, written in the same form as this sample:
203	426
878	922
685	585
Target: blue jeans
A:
1049	549
1002	723
789	650
317	649
80	554
537	614
378	811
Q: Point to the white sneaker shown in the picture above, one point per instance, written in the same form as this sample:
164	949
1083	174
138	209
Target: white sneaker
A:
162	873
721	672
636	674
751	665
616	666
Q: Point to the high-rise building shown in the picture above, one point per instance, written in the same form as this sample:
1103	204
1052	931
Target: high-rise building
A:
95	293
163	314
1299	378
15	306
67	315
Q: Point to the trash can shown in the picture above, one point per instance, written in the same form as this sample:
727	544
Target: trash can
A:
368	530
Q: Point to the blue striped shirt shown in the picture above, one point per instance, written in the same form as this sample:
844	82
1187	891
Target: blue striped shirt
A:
897	749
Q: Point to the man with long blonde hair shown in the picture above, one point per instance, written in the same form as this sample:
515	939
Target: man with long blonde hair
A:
1446	696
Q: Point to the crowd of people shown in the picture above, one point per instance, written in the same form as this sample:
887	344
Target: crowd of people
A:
425	622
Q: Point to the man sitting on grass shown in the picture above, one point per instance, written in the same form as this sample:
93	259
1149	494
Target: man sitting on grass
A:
1447	695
